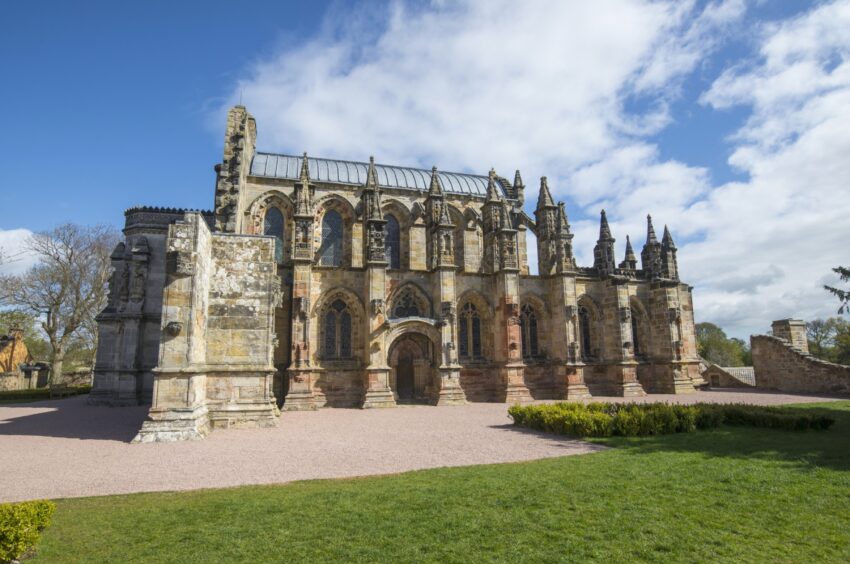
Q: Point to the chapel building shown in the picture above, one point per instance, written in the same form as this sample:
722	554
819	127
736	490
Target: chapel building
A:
326	283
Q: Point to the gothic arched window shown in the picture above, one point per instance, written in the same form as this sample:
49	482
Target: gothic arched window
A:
469	330
392	241
337	327
330	251
273	226
584	328
528	330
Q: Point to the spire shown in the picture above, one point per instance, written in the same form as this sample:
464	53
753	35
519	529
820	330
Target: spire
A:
435	188
604	229
563	224
518	180
667	240
650	231
305	170
630	261
492	190
371	175
544	200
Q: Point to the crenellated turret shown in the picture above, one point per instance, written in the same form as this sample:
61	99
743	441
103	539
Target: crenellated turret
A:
630	261
603	254
669	266
650	256
370	199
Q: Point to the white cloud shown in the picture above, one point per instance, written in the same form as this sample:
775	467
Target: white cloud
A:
543	86
12	244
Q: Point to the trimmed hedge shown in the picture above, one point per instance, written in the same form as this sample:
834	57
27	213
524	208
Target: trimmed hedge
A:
37	393
21	525
641	419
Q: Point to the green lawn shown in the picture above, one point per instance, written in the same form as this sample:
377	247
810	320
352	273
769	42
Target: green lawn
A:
735	494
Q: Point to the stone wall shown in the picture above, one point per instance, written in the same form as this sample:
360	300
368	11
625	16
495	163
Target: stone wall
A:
780	366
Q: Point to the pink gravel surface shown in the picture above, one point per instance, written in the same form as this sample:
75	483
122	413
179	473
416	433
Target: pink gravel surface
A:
65	448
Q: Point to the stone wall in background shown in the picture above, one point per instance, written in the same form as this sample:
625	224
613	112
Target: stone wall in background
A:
784	364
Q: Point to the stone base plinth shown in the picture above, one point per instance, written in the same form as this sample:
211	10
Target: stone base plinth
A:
377	389
447	390
575	388
174	424
515	389
300	396
243	415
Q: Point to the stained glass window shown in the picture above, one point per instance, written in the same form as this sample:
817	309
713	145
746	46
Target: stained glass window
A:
584	328
528	330
337	331
469	332
392	241
273	226
330	251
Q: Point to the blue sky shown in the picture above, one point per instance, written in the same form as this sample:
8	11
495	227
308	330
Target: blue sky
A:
717	117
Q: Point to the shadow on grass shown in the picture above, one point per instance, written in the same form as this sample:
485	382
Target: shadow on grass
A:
71	418
806	449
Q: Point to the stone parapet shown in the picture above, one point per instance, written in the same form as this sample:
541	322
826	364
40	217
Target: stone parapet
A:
779	365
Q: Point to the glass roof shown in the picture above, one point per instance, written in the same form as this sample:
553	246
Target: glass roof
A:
353	173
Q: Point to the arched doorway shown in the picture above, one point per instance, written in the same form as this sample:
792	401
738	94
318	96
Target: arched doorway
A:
410	368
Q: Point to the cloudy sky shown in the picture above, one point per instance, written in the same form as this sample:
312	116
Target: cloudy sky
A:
729	121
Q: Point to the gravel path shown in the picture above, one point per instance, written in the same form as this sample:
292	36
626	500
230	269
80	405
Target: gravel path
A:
65	448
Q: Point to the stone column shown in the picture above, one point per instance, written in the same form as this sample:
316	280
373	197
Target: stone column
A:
447	390
623	367
300	372
568	367
376	392
512	368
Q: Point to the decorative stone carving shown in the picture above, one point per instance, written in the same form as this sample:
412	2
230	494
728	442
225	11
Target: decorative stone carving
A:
180	263
377	306
625	314
173	328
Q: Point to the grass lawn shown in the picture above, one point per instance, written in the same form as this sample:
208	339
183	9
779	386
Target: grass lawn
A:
735	494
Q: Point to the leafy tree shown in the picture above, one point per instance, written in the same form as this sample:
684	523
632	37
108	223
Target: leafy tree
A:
829	339
842	295
714	346
31	329
66	288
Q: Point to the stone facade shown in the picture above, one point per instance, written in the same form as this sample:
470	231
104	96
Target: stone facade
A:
329	283
782	362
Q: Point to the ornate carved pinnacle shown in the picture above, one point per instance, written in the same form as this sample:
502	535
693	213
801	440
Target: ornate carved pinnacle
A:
305	170
544	199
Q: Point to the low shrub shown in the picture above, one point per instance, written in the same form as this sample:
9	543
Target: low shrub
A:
37	393
599	419
21	525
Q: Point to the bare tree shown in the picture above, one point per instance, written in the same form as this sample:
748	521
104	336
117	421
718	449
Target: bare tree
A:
67	287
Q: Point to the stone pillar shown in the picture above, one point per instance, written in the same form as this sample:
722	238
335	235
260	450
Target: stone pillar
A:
793	331
447	389
300	372
625	368
568	366
512	368
179	407
376	388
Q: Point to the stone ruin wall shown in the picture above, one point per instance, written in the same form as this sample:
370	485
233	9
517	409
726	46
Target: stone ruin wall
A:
782	362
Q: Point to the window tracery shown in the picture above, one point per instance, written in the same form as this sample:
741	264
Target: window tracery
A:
273	226
337	331
330	250
528	331
392	241
469	330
